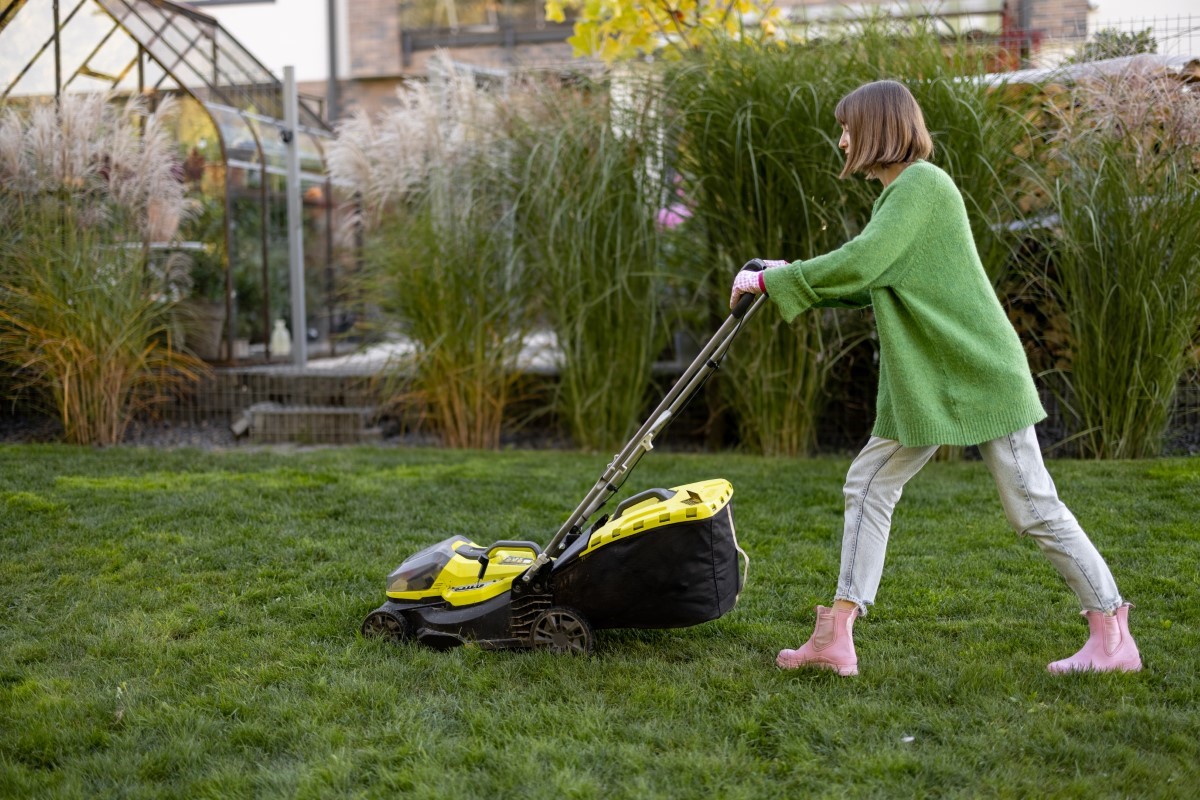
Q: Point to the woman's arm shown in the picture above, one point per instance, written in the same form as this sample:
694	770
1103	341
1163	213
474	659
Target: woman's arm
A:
870	260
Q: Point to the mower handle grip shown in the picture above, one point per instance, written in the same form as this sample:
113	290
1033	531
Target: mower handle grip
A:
746	300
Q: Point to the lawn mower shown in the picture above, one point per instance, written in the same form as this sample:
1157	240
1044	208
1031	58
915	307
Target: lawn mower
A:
665	558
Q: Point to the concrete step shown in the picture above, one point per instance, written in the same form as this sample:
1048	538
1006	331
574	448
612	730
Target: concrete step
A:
308	424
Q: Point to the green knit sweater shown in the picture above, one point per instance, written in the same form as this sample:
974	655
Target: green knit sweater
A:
951	368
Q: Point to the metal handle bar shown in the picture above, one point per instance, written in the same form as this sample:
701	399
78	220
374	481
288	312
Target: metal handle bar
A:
706	363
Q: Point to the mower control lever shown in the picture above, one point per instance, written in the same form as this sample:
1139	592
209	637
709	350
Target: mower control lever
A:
516	544
484	556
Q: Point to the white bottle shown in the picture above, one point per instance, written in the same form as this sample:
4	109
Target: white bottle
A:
281	340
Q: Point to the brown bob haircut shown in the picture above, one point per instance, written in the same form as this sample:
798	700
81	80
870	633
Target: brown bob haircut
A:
886	127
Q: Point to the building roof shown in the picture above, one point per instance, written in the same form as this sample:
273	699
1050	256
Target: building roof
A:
133	45
1187	67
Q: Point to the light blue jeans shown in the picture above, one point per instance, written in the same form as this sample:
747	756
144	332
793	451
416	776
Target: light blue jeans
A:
876	480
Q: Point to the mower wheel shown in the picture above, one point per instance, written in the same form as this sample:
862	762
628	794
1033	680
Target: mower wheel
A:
562	630
384	623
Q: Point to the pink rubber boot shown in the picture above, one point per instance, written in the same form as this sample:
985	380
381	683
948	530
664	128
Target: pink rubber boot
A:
1109	646
830	647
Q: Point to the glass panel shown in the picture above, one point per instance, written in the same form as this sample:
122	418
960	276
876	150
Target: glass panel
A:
20	41
272	299
130	82
191	49
174	49
526	13
280	304
476	15
319	280
153	71
232	70
312	159
203	173
131	22
80	36
309	118
199	140
168	84
345	311
246	63
39	80
115	55
86	83
253	317
457	14
240	144
143	21
270	136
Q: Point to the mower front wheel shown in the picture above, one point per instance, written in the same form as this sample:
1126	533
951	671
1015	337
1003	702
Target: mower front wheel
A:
384	623
562	630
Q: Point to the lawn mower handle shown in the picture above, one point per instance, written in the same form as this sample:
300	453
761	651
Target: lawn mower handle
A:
706	363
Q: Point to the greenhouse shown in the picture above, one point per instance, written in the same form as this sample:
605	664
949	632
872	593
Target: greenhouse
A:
231	136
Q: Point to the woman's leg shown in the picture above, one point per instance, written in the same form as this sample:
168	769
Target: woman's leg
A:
1032	506
873	487
874	484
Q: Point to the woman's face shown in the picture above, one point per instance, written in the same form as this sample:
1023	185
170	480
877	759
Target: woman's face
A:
844	142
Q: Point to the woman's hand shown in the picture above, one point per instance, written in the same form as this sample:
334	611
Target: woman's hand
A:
749	280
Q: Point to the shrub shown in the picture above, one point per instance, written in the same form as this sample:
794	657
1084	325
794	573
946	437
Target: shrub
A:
586	200
1114	43
86	318
1123	255
439	253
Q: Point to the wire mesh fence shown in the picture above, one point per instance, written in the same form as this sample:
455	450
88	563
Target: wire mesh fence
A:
1171	36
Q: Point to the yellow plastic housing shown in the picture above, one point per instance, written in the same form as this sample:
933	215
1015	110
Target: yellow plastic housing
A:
458	583
693	502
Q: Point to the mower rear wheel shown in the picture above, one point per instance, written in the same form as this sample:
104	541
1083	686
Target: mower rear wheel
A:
384	623
562	630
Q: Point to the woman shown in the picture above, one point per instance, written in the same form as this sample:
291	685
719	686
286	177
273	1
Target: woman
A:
951	372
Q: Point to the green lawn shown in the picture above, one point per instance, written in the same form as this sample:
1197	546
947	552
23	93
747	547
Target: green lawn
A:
184	624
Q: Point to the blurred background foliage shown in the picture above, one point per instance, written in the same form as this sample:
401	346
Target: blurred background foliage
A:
735	145
88	322
585	229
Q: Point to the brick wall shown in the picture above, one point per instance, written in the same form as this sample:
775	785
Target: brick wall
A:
374	38
1059	19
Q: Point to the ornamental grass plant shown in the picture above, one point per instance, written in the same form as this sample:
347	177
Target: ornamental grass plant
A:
753	127
87	320
586	197
439	256
1121	256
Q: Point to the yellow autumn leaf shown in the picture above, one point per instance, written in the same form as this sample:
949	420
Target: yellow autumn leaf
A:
554	11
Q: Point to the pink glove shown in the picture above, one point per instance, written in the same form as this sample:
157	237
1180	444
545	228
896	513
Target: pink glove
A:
750	281
746	282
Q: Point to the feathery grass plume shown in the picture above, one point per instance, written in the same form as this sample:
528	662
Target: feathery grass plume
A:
1122	257
586	205
439	251
85	322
